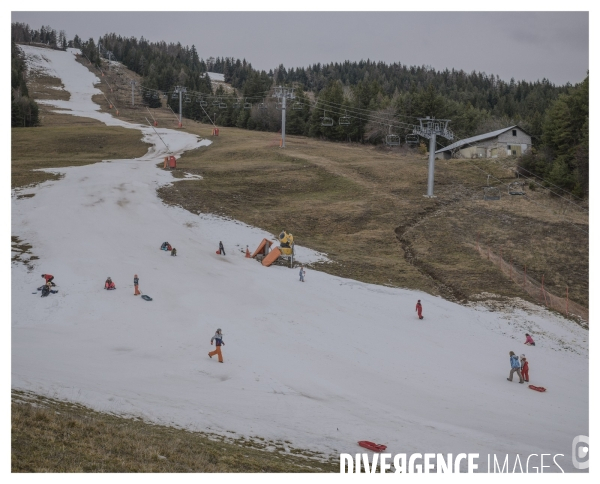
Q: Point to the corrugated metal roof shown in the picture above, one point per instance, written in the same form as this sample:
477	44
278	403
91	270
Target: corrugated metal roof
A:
474	139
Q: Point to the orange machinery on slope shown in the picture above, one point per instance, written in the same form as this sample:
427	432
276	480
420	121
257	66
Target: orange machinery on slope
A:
286	249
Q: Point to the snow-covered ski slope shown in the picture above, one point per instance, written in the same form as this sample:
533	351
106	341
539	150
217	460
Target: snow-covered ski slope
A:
322	364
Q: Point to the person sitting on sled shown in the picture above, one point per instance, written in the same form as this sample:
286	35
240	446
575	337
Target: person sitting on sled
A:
164	246
529	340
46	289
109	284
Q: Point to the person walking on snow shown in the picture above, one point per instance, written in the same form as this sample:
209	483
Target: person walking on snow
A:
218	339
221	248
515	365
49	278
136	281
525	368
419	309
529	340
302	273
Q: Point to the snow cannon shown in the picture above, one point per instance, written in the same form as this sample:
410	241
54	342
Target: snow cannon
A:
286	243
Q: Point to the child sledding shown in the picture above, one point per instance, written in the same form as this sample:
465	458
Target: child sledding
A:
166	246
47	289
109	284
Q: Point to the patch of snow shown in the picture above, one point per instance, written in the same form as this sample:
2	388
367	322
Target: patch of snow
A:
214	76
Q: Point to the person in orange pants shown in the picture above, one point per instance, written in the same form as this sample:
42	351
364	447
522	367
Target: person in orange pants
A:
135	285
218	339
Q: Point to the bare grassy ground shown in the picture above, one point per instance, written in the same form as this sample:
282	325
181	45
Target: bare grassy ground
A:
56	436
68	145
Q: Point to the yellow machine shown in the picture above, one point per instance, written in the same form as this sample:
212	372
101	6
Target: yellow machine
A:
286	243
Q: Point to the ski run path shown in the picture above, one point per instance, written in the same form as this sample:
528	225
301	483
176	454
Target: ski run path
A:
321	364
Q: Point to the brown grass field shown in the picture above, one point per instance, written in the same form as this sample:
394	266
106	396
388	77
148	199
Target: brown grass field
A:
361	205
56	436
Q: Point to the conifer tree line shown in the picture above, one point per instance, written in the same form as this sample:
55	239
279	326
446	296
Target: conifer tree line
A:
24	110
374	98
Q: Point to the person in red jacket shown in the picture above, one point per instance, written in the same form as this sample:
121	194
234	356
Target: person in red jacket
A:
419	309
524	368
49	278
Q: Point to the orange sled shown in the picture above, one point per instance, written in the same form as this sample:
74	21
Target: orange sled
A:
372	446
537	389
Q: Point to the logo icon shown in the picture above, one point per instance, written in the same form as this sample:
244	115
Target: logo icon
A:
580	452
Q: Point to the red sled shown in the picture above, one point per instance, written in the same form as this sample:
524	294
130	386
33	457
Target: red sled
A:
372	446
537	389
218	251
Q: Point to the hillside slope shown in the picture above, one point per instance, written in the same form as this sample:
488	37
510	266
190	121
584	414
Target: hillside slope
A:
321	364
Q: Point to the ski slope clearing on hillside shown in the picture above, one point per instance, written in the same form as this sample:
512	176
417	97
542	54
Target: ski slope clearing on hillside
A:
322	364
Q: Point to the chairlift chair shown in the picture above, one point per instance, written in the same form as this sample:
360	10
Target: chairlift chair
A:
247	105
392	139
222	105
412	139
236	104
262	105
297	106
148	93
345	119
187	99
516	188
279	106
491	193
203	103
174	96
325	120
155	96
217	101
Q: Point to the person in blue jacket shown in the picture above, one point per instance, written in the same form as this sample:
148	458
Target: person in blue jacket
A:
302	273
515	366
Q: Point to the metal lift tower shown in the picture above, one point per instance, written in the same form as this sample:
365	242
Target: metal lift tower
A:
431	128
283	93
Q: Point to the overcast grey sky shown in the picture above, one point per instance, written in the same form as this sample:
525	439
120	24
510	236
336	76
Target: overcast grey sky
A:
523	45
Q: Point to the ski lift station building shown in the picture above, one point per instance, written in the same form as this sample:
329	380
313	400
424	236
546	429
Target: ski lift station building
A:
496	144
